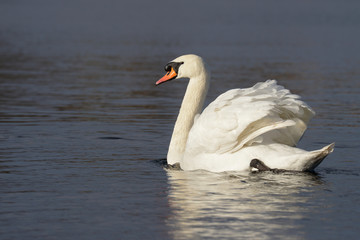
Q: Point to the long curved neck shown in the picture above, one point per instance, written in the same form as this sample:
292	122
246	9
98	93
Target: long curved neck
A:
191	106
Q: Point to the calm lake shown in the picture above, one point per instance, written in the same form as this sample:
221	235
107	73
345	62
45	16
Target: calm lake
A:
83	129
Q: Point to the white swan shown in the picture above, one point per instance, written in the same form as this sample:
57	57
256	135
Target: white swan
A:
263	122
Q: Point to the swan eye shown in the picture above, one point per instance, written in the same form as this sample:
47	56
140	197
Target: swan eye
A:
174	65
168	67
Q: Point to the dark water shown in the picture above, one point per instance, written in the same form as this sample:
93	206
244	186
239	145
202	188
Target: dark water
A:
83	126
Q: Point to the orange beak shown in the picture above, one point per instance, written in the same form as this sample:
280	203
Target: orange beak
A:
168	76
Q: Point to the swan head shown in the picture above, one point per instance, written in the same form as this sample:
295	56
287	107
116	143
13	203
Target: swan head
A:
186	66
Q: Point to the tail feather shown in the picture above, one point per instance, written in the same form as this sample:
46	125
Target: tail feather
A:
319	156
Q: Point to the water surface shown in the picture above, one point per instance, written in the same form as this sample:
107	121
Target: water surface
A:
83	128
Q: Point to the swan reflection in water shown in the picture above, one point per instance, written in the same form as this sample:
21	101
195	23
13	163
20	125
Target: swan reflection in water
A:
232	205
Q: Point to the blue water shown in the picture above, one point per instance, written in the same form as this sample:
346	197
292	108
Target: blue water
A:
83	128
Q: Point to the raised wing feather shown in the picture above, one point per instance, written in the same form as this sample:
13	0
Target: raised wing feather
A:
264	113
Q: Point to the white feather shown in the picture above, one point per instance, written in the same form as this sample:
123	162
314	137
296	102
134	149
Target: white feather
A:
264	121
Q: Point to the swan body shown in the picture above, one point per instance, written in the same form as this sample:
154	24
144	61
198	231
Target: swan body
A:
262	122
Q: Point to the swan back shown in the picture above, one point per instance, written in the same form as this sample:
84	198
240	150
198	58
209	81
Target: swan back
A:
263	114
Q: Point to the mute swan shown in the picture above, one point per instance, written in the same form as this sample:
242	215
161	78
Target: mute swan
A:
257	126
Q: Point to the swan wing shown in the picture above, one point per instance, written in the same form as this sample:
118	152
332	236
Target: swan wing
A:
265	113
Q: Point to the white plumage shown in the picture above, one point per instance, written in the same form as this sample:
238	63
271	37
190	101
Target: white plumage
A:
263	122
